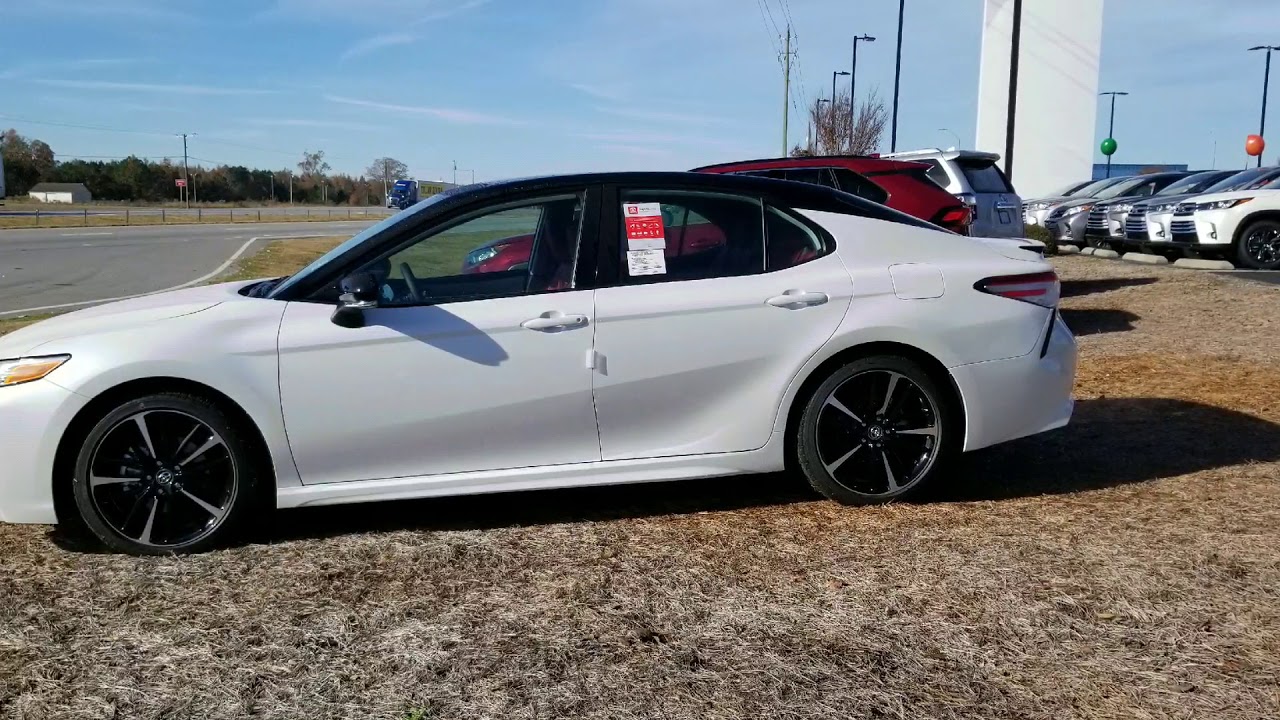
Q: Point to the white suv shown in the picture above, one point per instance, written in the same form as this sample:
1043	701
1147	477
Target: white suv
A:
978	182
1243	226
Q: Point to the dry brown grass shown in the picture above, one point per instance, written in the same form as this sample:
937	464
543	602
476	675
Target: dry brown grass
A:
1126	567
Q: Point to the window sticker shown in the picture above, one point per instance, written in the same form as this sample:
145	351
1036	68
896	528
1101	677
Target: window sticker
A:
646	262
643	223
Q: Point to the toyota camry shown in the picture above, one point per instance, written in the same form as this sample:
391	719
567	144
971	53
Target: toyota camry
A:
664	326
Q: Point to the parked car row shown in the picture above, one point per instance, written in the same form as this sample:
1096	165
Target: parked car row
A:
1229	214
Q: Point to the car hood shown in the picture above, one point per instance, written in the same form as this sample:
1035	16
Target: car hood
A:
119	315
1165	199
1047	200
1233	195
1076	203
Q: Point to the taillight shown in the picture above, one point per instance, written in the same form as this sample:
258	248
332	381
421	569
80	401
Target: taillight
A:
956	219
1036	288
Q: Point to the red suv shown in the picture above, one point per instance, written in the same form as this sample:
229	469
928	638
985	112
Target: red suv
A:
903	186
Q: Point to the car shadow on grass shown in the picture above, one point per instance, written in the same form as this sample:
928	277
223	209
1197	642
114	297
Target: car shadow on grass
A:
1076	288
1117	441
1112	441
1096	321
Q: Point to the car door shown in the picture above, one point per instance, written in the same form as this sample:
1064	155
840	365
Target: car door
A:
693	355
456	370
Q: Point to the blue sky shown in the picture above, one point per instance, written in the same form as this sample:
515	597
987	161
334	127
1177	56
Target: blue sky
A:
516	87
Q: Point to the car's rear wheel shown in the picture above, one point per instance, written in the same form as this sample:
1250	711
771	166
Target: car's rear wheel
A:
1259	246
166	473
878	429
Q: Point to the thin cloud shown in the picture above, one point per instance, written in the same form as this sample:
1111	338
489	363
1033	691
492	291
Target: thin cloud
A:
23	70
309	123
660	117
453	115
151	88
377	42
406	12
599	92
80	10
638	150
650	139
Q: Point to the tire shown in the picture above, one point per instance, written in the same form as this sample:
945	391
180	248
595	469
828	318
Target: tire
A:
837	442
165	474
1259	246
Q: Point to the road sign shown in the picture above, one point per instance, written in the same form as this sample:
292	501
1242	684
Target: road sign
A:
180	182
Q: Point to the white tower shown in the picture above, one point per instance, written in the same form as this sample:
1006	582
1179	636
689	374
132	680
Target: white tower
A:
1057	101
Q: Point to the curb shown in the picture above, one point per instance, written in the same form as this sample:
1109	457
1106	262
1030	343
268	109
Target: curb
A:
1195	264
1145	258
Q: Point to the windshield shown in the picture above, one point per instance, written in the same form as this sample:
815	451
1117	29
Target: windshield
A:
1193	183
1122	189
1237	181
359	238
1067	190
1094	187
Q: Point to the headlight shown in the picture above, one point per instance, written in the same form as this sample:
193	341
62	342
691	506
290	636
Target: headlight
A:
1170	207
1121	208
1038	205
475	257
1222	204
24	370
1079	209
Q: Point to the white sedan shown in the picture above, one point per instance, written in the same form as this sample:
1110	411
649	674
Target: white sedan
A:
656	326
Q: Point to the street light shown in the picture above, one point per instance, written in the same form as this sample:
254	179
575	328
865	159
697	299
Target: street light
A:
1266	80
834	131
953	134
812	139
1111	128
853	79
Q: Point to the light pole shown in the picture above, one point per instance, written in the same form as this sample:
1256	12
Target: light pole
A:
835	131
1266	80
1111	127
185	170
953	134
853	79
897	78
818	112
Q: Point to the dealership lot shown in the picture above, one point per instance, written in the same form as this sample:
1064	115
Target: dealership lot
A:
1125	566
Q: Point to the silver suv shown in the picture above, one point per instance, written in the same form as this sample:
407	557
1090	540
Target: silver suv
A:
978	182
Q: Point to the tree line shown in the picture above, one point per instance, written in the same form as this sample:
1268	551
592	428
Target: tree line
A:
28	161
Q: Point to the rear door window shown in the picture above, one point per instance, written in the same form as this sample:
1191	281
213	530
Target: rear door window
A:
984	176
938	174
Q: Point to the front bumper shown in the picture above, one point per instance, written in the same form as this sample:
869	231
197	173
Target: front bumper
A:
1008	399
1069	229
1212	232
35	416
1158	227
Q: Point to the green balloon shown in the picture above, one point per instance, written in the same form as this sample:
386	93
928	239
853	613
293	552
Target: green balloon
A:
1109	147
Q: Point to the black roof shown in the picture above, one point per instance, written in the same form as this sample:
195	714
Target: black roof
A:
58	187
787	193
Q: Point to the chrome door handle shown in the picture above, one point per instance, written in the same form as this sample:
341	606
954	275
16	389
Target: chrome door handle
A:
1006	206
554	320
797	299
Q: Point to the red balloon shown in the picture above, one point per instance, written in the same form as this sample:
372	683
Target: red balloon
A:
1254	145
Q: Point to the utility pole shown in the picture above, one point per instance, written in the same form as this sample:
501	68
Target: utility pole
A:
897	79
786	87
814	145
386	172
185	170
1011	107
291	188
273	187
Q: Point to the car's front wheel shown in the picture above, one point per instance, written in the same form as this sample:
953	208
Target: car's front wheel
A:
878	429
1259	246
166	473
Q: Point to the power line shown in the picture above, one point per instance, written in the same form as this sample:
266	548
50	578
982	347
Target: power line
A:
81	127
773	40
776	29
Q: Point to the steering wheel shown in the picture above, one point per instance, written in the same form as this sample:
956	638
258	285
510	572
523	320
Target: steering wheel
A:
411	281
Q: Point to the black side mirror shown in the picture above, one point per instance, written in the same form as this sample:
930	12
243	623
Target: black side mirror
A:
359	293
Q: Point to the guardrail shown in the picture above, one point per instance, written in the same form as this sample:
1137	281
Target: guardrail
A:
163	216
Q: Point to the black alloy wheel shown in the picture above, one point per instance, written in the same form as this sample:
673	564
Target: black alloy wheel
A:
168	473
878	429
1259	247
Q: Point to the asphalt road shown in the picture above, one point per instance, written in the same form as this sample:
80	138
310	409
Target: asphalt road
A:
41	270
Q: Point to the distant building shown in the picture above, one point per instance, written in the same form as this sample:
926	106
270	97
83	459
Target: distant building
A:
1123	169
61	193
